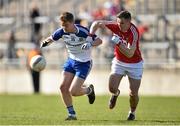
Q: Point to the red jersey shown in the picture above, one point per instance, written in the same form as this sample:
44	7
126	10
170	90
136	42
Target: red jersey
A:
131	36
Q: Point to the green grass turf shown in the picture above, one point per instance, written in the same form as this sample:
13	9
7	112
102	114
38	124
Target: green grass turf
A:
49	110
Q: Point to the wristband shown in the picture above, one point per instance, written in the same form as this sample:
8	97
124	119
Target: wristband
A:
90	34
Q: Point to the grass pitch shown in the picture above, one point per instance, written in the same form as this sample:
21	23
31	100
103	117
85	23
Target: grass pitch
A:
49	110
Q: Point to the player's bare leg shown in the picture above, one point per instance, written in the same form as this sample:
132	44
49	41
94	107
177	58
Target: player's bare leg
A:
114	81
72	86
66	95
64	88
134	98
78	89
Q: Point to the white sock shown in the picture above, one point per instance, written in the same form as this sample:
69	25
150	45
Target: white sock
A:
73	115
89	91
117	93
132	112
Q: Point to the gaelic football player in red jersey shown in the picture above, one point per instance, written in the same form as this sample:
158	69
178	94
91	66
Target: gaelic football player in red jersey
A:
127	61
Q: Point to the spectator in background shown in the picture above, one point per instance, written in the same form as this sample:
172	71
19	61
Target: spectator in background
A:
1	54
34	74
142	30
97	13
116	7
35	26
84	14
1	3
35	39
11	51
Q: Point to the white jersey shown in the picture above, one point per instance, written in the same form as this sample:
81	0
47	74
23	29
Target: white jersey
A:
74	41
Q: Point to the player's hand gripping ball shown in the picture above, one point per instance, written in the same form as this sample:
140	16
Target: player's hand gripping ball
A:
38	63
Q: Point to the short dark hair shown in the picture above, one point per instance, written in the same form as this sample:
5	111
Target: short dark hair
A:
67	17
124	14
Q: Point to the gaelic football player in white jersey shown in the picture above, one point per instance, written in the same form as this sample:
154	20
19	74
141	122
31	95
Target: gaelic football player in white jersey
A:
78	65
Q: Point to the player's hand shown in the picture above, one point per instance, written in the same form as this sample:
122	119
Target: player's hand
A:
88	43
86	46
44	44
89	39
116	39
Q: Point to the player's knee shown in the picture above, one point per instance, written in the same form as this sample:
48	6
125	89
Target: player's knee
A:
64	88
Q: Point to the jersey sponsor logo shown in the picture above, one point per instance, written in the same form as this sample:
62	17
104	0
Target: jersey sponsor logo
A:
72	40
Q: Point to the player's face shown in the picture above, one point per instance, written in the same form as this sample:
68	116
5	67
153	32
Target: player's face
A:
123	24
65	24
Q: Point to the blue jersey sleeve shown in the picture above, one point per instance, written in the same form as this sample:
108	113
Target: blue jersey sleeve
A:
84	32
57	34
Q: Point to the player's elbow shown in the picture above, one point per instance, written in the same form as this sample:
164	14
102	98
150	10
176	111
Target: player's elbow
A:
97	24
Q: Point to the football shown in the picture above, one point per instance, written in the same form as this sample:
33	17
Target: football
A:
38	63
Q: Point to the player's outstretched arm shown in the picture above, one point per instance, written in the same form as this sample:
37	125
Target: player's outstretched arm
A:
46	42
96	25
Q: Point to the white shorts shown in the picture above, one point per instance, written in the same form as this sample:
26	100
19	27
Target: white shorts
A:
132	70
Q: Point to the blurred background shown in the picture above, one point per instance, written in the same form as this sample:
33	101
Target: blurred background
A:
24	23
